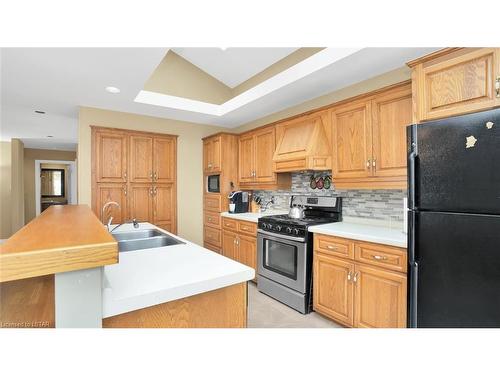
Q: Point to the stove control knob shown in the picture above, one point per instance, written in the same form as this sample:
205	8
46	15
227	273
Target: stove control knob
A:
269	226
264	225
289	230
278	228
296	231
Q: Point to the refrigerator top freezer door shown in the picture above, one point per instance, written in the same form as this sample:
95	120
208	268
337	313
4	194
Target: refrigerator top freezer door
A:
457	164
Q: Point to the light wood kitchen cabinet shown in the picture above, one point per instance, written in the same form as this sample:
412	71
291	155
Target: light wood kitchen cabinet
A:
391	114
380	298
365	289
246	158
141	158
255	157
455	81
220	157
239	241
144	167
107	192
333	289
369	140
212	155
230	244
163	201
164	160
141	202
247	251
110	150
352	135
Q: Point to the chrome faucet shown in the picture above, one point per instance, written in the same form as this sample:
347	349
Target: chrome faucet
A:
102	212
133	221
271	201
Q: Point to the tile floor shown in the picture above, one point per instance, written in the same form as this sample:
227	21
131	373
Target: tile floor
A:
265	312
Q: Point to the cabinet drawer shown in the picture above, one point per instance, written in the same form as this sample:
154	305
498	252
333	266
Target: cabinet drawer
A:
212	236
337	246
389	257
229	224
246	227
211	219
213	203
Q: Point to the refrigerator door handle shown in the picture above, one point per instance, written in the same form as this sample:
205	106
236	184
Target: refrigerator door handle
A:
411	180
412	293
412	230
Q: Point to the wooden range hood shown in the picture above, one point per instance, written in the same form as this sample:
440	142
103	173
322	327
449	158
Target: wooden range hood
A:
303	143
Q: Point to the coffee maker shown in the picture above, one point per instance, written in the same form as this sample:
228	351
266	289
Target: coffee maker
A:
238	202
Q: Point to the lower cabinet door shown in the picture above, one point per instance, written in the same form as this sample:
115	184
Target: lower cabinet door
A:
334	288
229	244
164	207
141	202
247	253
380	298
107	192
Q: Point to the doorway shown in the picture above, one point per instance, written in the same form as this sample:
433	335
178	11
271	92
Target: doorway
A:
55	183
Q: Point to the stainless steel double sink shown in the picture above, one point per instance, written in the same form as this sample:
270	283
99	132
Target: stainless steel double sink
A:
143	239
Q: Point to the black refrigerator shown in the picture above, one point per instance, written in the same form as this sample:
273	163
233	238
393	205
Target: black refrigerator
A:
454	222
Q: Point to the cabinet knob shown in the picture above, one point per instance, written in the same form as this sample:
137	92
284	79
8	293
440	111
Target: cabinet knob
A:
355	278
497	86
374	164
379	257
349	276
368	164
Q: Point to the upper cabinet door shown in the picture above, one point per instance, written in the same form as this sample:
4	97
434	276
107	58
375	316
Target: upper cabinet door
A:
110	156
141	158
461	83
246	155
265	144
352	140
216	155
164	159
212	155
392	113
207	155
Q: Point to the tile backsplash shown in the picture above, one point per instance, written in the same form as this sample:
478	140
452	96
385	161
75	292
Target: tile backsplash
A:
371	204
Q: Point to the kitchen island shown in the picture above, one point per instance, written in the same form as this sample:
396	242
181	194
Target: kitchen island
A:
182	285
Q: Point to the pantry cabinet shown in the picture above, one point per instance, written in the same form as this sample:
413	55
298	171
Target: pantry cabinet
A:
369	140
138	171
455	81
358	283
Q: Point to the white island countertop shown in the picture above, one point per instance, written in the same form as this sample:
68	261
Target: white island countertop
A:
252	216
148	277
363	231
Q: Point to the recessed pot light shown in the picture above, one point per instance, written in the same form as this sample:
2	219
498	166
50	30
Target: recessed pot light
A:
40	112
113	90
50	136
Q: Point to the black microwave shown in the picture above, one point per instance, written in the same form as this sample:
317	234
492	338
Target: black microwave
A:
213	183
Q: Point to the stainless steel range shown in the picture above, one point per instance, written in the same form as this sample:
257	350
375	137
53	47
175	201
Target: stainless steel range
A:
285	249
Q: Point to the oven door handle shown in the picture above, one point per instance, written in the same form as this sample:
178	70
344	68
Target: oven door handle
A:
282	236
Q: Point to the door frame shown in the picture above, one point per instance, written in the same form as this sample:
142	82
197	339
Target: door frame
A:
72	181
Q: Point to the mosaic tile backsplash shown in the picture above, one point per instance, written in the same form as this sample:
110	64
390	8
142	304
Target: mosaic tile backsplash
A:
372	204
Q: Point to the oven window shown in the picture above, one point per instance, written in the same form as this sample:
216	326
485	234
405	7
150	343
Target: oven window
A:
281	258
